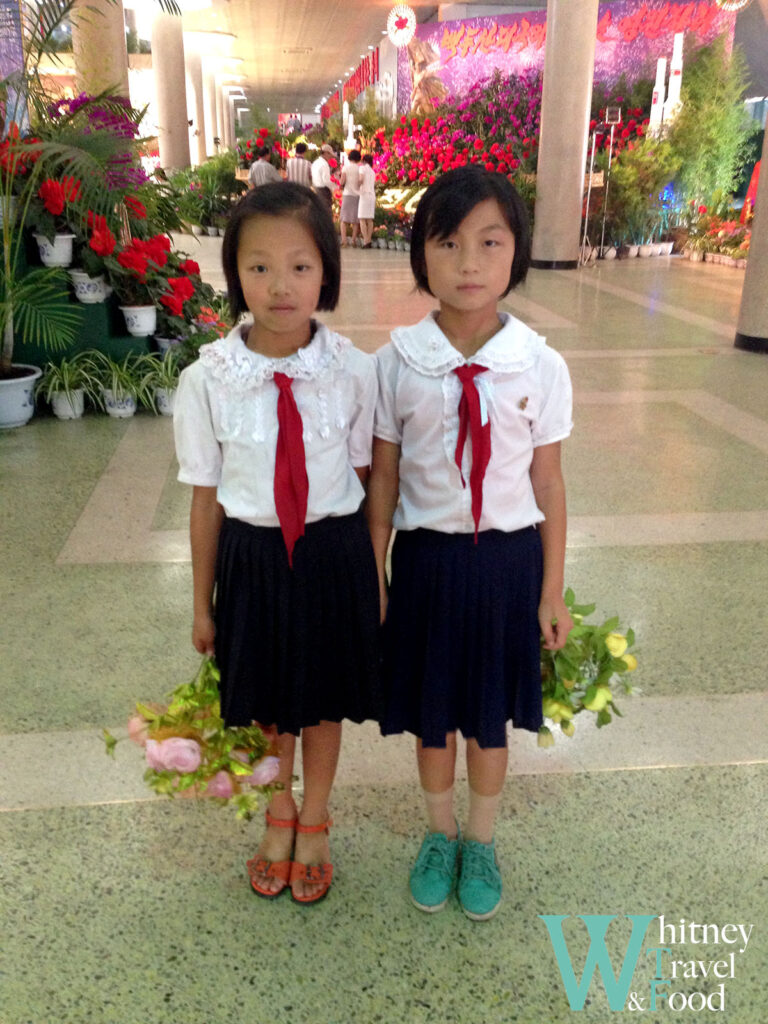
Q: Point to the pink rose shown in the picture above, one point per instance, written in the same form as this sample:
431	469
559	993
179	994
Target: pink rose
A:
175	754
220	785
137	730
264	771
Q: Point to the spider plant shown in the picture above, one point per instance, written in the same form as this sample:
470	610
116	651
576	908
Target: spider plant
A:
125	378
68	377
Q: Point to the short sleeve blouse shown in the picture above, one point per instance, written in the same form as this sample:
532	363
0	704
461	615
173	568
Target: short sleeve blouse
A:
225	423
527	394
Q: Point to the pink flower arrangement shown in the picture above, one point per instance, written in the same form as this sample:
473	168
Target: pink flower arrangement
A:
191	752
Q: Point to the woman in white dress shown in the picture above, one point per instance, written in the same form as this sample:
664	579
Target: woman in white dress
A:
367	206
350	196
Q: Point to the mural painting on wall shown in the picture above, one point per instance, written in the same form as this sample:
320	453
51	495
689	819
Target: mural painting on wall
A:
11	59
445	58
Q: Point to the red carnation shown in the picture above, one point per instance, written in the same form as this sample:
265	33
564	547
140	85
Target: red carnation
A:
182	287
479	143
52	194
134	261
71	188
173	302
189	267
489	166
102	242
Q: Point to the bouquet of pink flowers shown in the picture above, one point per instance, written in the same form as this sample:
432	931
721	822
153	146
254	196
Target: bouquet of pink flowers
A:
190	752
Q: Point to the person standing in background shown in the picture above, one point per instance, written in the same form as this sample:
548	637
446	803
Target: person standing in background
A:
262	171
298	168
366	209
350	196
321	175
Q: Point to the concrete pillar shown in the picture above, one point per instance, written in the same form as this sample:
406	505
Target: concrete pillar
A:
98	42
569	61
170	90
209	104
221	129
752	327
194	64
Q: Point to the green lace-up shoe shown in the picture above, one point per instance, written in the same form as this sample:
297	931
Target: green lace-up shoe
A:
480	880
433	876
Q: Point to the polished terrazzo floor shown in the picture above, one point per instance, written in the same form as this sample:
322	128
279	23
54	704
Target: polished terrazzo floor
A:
123	909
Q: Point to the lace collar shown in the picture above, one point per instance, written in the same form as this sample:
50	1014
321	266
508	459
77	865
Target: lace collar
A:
515	347
230	362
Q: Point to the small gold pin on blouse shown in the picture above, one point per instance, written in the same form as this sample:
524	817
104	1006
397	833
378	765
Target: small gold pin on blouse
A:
523	403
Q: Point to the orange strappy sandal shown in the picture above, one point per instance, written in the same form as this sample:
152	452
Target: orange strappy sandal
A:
313	873
280	869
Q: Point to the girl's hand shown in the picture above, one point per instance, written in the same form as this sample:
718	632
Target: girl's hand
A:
203	633
555	622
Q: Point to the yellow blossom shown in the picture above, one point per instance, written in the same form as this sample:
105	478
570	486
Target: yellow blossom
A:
630	661
616	644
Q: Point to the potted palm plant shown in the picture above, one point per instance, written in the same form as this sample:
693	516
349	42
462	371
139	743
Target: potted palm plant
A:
67	384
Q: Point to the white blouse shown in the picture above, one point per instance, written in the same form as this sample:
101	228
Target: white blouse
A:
225	423
527	395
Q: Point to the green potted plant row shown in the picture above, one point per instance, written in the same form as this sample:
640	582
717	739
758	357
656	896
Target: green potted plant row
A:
118	386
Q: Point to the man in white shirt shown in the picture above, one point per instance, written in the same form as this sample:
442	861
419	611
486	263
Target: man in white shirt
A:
298	167
321	175
262	171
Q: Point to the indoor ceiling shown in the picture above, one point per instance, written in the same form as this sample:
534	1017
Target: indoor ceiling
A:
291	53
294	51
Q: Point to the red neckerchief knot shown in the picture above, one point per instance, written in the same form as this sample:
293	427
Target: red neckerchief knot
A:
291	484
471	417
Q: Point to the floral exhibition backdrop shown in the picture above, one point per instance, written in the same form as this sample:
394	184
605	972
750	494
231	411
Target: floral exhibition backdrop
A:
445	58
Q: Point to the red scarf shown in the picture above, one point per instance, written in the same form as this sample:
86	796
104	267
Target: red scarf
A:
470	417
291	484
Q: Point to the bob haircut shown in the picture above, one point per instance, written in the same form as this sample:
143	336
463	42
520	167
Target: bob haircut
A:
283	199
447	202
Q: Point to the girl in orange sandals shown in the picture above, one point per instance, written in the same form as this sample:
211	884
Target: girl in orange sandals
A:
273	428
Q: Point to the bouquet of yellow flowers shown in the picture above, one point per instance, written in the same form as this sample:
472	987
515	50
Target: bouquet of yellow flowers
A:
190	752
579	677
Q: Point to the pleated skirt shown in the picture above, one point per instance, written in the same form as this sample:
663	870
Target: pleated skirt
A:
298	646
461	637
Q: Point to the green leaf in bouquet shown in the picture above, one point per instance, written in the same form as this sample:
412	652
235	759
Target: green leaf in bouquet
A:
615	709
583	609
565	667
146	712
569	597
187	782
110	742
630	637
603	718
608	626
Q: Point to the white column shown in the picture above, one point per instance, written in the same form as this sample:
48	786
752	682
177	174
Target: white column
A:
209	103
569	62
98	42
221	131
194	64
170	90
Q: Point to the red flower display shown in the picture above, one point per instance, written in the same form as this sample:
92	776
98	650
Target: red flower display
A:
52	194
174	303
134	261
182	287
103	241
189	267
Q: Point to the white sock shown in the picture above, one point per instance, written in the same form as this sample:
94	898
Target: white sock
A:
440	812
482	816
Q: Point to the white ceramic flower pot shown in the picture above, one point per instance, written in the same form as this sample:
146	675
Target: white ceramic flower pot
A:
666	248
400	246
89	290
608	252
632	251
656	249
166	344
645	251
212	232
17	397
119	407
56	253
141	321
197	230
68	406
392	244
697	256
382	243
164	400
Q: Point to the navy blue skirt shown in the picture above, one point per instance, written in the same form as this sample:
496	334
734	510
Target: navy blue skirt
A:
298	646
462	638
